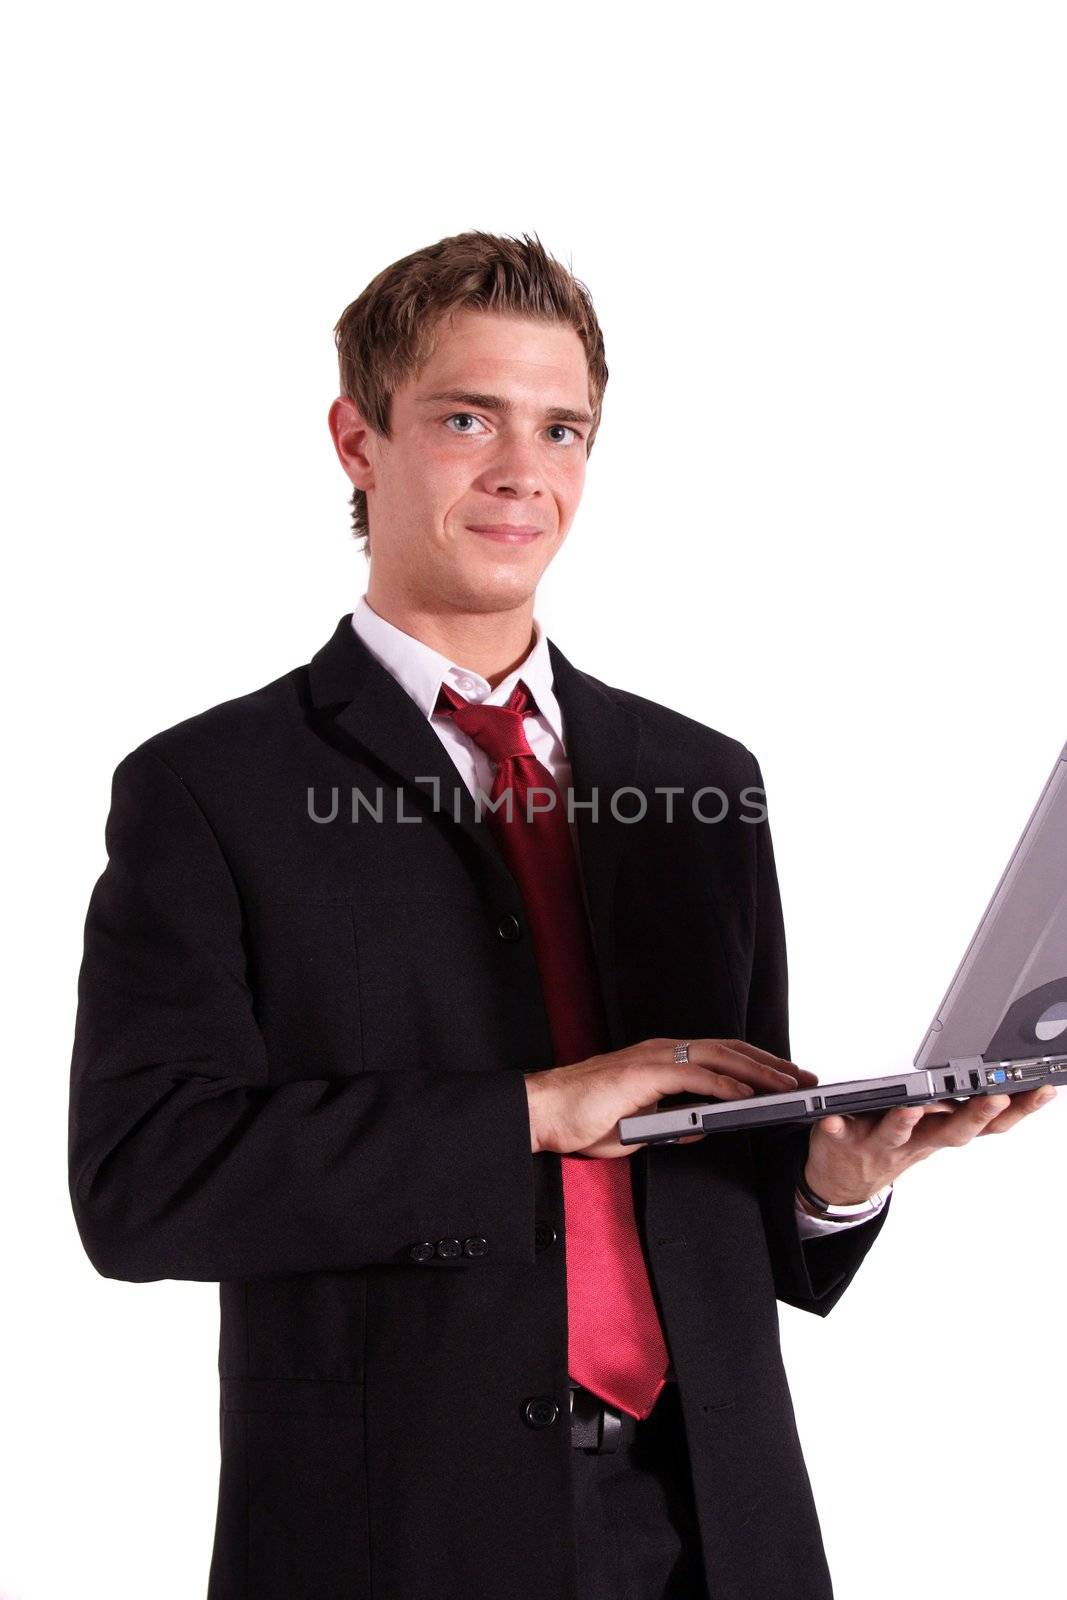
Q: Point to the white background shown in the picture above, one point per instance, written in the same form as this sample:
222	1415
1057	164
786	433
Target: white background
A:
825	513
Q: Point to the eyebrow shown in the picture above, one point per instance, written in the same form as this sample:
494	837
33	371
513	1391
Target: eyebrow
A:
496	402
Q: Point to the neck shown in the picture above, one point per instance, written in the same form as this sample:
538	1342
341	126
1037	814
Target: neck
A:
490	643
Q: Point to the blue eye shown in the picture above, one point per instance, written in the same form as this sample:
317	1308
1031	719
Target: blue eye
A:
468	416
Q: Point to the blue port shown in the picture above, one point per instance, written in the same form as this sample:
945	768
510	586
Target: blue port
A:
999	1075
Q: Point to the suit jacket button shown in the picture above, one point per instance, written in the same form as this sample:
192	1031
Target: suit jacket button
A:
448	1249
475	1247
423	1251
540	1412
509	928
544	1235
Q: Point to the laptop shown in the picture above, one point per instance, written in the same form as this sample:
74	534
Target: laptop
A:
1000	1029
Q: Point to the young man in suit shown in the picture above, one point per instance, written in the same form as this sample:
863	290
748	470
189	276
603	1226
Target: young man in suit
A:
383	952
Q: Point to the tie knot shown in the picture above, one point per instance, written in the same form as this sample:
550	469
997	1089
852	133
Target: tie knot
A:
498	730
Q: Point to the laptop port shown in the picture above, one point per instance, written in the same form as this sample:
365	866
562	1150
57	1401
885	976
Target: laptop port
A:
975	1081
950	1080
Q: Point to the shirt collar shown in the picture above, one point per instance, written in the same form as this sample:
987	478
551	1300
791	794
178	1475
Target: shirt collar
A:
421	670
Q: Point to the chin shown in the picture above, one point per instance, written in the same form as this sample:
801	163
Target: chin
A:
496	590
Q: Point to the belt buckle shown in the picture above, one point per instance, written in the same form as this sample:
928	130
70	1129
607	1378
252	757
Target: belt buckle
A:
609	1425
610	1428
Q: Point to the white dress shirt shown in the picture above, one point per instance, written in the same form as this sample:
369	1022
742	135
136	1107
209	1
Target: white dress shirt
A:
421	670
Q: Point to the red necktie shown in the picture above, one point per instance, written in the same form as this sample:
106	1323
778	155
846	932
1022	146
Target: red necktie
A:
615	1342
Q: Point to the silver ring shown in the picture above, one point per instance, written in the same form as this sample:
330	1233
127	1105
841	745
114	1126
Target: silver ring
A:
681	1053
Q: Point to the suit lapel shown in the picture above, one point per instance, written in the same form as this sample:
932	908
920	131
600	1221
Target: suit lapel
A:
602	739
603	743
370	706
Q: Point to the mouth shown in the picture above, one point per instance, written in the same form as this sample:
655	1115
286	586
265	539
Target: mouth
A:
506	532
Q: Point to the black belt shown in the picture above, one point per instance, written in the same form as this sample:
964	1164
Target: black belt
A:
596	1425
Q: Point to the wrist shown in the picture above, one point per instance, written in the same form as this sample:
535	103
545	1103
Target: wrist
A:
814	1197
533	1100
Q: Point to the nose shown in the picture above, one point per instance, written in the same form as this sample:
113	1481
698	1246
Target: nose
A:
514	470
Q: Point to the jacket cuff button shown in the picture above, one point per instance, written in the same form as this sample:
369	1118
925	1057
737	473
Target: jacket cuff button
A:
448	1249
475	1247
423	1251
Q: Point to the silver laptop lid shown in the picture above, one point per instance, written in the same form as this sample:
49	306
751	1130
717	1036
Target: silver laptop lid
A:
1008	998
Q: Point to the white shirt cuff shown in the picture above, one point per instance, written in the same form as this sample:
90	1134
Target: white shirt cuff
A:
809	1227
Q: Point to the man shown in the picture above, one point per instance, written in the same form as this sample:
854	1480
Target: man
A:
355	1044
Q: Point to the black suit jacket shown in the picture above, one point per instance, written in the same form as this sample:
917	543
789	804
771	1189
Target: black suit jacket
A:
298	1070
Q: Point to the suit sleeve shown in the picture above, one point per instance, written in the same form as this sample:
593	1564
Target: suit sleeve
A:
811	1273
186	1161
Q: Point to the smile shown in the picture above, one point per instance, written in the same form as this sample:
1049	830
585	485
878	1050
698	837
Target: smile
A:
505	533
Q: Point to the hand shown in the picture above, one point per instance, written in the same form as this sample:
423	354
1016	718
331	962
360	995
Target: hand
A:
850	1157
575	1109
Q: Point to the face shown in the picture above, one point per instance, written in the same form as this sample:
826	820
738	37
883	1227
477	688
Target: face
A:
475	489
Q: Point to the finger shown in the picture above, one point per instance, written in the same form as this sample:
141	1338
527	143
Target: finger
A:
695	1079
874	1122
736	1058
1034	1099
710	1050
981	1114
894	1129
779	1063
1021	1105
966	1122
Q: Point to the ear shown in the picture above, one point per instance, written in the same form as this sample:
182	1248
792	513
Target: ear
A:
353	439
